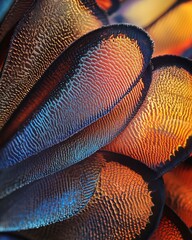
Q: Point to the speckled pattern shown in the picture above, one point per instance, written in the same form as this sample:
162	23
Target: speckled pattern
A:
100	74
122	206
171	228
178	185
44	32
76	148
162	126
51	199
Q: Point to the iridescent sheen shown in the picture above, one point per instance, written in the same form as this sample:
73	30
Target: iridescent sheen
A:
127	204
84	84
160	134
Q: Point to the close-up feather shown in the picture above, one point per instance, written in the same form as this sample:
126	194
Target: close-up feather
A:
95	120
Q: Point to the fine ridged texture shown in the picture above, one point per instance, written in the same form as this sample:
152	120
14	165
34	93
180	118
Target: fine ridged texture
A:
127	204
15	13
160	134
184	172
41	36
46	83
178	185
78	147
171	228
51	199
172	30
93	83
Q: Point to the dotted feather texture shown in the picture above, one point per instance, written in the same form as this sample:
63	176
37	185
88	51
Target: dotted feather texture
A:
50	199
92	77
127	204
179	191
92	128
76	148
171	227
40	37
160	134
